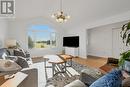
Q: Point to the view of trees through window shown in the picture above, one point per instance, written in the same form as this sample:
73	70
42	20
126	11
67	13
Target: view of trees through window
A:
40	36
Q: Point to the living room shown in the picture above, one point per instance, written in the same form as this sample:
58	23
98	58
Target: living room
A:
53	43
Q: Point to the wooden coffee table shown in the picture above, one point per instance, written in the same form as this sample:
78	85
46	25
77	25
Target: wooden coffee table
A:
57	61
66	58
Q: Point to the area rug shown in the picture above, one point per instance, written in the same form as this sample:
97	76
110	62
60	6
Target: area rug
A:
60	80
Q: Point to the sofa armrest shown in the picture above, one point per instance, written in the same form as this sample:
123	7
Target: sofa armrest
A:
86	79
32	79
88	76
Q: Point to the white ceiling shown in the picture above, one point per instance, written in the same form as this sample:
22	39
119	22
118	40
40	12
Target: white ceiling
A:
81	11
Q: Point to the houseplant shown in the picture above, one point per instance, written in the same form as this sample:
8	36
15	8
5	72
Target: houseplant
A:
125	35
124	56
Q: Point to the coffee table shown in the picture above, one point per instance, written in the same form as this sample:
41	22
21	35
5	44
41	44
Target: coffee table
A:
66	58
56	62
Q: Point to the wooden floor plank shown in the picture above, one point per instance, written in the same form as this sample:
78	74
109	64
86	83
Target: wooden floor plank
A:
91	61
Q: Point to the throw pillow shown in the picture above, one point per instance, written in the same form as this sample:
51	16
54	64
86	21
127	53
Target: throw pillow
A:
24	52
19	53
8	66
112	79
3	53
22	62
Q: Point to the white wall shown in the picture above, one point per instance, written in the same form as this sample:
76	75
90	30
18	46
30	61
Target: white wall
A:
81	31
18	30
100	40
82	40
3	31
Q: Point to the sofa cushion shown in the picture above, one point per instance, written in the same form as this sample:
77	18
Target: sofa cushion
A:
112	79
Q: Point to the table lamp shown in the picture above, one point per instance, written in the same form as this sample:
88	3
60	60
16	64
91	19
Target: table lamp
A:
11	43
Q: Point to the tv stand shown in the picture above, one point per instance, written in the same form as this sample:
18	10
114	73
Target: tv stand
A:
73	51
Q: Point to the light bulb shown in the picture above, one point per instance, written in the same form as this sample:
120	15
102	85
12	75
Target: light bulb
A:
57	20
61	20
53	16
68	17
58	13
65	20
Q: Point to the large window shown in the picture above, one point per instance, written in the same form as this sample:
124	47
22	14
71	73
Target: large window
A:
41	36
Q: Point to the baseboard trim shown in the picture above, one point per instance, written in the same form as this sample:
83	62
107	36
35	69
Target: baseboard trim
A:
96	56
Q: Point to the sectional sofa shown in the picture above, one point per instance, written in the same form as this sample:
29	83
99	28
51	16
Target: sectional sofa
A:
21	58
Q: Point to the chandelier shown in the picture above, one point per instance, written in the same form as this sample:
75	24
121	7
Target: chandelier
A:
60	16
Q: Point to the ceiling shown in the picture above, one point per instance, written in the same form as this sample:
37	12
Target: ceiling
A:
81	11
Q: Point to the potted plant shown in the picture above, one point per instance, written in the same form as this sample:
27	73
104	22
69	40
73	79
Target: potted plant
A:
124	56
125	35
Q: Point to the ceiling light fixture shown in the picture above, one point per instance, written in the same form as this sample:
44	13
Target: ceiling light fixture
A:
61	16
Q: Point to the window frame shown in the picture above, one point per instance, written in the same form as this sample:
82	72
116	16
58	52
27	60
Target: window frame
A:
50	35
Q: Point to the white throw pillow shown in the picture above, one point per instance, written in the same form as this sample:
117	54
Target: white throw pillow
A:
9	65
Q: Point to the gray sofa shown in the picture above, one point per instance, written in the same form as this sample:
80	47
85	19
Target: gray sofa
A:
22	60
115	78
5	52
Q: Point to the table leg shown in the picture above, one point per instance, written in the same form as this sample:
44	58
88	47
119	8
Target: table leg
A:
65	66
45	64
53	69
71	62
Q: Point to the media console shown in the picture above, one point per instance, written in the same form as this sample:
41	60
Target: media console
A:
73	51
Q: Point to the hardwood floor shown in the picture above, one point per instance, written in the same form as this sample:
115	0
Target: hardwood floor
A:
91	61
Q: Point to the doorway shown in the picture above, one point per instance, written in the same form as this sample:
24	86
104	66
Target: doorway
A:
117	44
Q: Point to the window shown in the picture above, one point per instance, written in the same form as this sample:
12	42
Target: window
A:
41	36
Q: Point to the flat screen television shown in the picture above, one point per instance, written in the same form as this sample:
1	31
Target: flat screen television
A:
72	41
